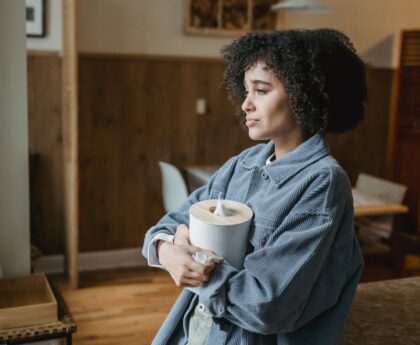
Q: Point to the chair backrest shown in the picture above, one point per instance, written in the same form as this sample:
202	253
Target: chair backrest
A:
174	188
382	189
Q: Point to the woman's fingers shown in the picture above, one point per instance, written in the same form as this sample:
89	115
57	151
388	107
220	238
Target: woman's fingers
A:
195	278
215	258
200	271
199	277
183	268
182	235
187	277
191	283
192	250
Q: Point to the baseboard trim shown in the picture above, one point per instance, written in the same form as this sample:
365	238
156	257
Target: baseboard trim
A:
91	261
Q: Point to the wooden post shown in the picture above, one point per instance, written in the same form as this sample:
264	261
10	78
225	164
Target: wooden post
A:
392	125
70	141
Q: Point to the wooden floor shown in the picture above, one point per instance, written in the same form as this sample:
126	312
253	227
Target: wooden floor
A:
127	306
119	307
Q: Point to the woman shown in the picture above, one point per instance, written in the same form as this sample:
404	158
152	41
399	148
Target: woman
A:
303	262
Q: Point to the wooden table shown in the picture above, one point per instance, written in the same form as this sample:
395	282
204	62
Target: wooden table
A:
379	210
63	328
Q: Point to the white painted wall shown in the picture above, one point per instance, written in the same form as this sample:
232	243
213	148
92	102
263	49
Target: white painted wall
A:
374	26
140	26
53	40
155	27
14	180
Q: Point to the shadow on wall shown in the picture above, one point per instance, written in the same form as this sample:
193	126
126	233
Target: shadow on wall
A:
381	53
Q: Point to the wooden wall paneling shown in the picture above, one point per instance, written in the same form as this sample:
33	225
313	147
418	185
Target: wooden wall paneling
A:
106	154
219	134
378	109
172	123
409	96
209	127
185	92
90	85
134	160
160	116
45	138
100	85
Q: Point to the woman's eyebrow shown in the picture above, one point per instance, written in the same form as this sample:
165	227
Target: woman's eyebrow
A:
259	81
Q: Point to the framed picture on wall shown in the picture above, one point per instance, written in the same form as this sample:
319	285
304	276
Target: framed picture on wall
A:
227	17
35	18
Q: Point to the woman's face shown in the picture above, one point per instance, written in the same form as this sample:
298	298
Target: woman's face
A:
267	107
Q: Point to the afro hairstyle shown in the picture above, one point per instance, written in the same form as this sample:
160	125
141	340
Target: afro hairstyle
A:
321	72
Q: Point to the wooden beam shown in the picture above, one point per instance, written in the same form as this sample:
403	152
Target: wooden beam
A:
70	140
392	127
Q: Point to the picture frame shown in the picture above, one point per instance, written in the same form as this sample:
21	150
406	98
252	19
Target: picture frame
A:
227	17
35	18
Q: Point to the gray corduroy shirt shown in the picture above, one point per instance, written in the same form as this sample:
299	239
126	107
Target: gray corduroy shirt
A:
303	261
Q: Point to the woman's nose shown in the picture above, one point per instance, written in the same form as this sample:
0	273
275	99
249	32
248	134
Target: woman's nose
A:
247	105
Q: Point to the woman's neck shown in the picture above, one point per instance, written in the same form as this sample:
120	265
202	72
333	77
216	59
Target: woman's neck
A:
286	144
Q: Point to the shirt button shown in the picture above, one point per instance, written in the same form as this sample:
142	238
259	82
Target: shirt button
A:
264	174
201	307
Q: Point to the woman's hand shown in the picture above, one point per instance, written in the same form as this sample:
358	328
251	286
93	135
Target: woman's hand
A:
182	237
184	270
177	259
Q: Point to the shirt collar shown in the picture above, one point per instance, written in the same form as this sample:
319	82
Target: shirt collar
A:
310	151
270	159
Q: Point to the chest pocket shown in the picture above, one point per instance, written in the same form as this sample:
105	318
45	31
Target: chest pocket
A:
260	231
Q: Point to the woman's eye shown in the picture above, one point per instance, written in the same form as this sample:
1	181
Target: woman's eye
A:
261	92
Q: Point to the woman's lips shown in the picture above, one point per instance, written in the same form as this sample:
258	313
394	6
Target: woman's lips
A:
251	122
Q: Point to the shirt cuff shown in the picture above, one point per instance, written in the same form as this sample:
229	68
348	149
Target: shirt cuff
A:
213	294
152	255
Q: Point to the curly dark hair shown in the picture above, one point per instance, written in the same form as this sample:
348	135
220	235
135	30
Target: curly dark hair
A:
322	74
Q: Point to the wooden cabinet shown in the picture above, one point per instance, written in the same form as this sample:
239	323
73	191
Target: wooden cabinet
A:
406	150
227	17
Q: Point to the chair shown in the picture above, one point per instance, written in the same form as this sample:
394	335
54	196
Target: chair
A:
174	188
374	232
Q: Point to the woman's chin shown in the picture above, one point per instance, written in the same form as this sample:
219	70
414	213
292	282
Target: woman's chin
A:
254	135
